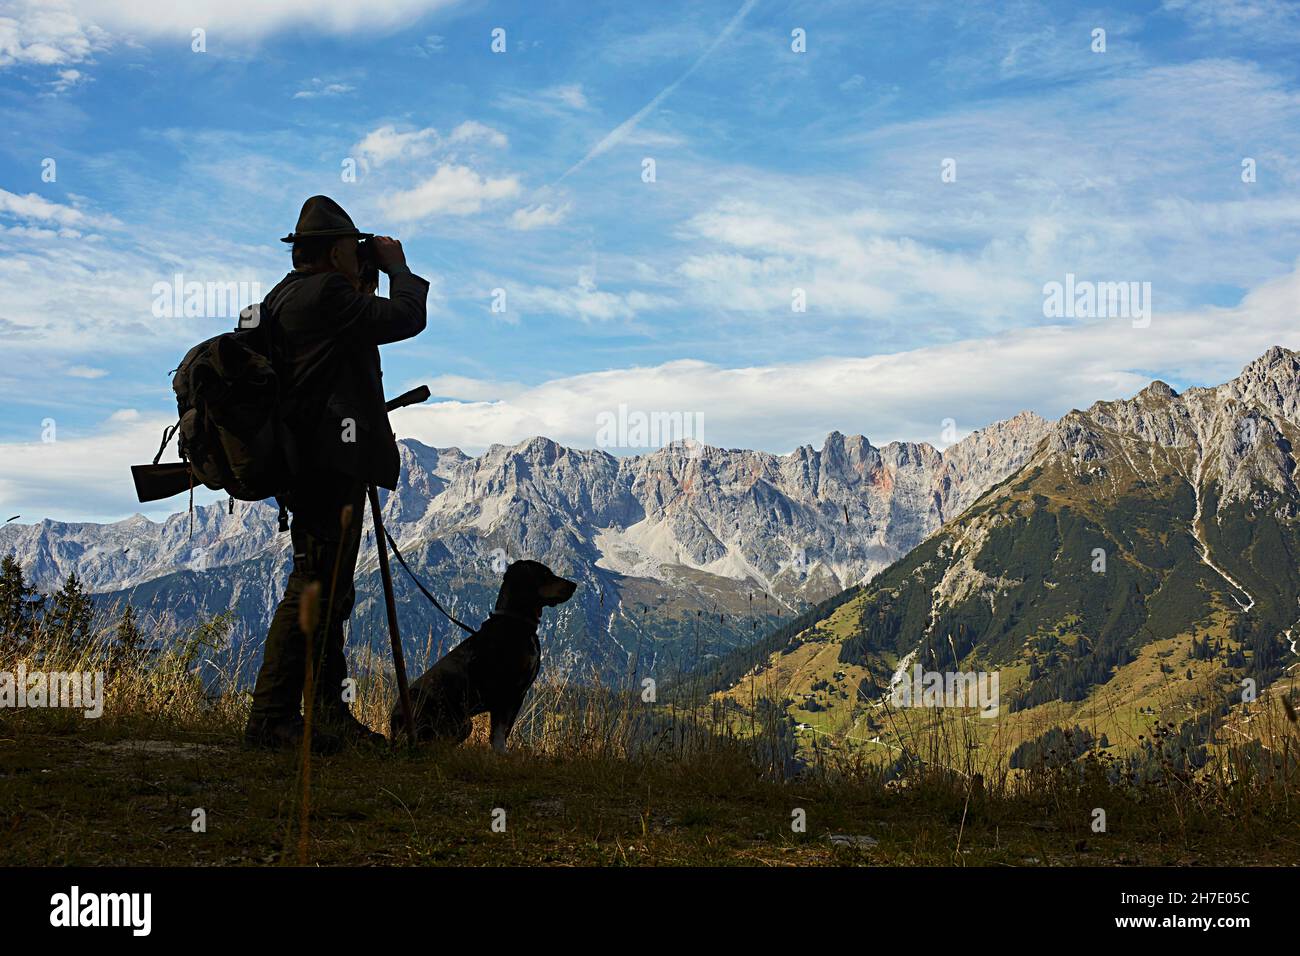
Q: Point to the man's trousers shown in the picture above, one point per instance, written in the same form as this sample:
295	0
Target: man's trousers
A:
319	540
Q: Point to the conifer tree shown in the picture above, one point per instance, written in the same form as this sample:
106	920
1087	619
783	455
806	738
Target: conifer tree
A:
129	638
20	603
70	614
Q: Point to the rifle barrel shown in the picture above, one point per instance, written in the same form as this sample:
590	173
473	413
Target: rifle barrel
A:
414	397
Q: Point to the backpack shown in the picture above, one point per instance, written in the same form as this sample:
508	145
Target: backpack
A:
231	428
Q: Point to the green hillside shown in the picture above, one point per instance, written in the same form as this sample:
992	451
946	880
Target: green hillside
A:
1083	583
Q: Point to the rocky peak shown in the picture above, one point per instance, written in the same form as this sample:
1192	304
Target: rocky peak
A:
1157	391
1272	381
1235	434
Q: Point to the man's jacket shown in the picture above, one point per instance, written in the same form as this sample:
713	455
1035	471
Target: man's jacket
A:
328	341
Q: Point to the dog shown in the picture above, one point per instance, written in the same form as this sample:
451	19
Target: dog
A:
492	669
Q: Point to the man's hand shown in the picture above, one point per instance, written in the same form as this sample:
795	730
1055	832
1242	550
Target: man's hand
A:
388	254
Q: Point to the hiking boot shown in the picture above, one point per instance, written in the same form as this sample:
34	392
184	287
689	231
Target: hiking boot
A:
343	724
286	734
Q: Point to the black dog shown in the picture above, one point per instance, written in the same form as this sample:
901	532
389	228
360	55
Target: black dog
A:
492	669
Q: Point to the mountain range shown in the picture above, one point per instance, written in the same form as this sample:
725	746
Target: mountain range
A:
681	553
1140	565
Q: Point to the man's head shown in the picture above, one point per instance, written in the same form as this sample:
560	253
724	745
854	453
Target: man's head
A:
328	254
326	240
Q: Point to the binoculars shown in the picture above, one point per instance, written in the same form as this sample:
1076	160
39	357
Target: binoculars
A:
368	270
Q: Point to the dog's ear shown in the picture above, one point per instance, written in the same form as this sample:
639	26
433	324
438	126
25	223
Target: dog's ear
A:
509	587
519	586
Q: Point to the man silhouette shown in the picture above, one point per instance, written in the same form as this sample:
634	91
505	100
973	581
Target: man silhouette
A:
328	326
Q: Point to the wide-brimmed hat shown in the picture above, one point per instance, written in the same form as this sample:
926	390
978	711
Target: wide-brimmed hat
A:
322	217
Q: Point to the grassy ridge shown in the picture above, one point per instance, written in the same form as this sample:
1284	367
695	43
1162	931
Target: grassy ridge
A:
595	776
1083	587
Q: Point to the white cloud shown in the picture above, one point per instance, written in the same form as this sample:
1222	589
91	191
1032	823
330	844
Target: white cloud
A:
451	191
102	303
36	33
1267	21
472	131
83	476
33	207
538	217
388	144
13	330
570	95
454	189
86	371
317	87
905	395
1038	194
582	300
67	79
562	100
431	45
759	254
252	18
36	232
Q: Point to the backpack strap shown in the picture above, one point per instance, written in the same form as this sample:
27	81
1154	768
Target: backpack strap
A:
167	437
275	346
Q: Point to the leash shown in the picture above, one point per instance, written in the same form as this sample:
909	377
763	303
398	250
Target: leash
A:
414	397
425	591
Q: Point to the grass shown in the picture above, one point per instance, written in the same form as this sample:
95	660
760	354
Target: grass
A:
71	800
595	776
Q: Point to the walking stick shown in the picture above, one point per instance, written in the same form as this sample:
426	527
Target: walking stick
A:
413	397
308	610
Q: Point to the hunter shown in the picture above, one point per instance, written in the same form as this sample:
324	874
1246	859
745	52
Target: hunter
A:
329	325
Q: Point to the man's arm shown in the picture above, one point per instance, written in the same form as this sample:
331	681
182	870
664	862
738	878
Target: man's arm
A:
370	319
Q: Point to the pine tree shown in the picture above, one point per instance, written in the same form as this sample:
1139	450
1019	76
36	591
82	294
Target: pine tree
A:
129	637
19	602
70	613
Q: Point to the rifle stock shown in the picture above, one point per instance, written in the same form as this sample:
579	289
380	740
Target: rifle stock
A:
154	482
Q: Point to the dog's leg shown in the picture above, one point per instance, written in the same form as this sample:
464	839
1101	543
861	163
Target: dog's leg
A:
502	720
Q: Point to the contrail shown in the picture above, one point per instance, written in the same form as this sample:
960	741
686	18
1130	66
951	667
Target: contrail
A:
615	135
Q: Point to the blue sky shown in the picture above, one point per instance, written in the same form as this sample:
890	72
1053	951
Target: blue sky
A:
522	171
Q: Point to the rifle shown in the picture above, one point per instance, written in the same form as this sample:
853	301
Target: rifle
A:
155	482
414	397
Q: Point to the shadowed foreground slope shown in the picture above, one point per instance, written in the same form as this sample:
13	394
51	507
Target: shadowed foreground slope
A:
595	777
